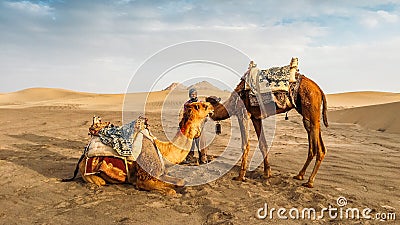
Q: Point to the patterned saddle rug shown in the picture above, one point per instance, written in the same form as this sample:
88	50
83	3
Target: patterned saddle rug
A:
269	80
119	137
273	86
276	78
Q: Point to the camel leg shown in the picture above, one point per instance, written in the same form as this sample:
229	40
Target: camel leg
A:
244	132
312	97
173	180
153	184
315	147
202	149
311	151
321	151
144	181
262	143
94	179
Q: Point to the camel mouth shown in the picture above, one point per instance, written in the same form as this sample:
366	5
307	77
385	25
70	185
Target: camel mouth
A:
211	113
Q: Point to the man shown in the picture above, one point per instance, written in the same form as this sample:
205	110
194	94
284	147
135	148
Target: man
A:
200	142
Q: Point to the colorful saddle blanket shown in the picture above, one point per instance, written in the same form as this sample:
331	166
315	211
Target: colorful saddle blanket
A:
275	78
271	85
268	80
119	138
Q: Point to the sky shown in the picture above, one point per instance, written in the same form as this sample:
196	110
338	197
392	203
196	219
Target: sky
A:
99	46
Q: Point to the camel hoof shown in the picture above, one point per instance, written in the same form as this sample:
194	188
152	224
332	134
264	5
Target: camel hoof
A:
308	185
95	180
267	176
267	173
239	178
180	183
298	177
170	192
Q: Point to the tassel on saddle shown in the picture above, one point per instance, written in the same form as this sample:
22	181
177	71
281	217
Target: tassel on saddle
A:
97	125
218	128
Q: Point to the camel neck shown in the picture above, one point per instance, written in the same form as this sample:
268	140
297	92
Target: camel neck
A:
177	150
183	140
220	113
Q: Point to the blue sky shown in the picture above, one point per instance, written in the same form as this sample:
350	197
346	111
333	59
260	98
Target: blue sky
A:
96	46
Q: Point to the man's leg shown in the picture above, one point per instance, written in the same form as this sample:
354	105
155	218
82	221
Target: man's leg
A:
202	149
190	156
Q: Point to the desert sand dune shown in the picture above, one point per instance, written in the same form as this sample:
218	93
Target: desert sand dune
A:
383	117
90	101
53	96
40	94
58	97
362	98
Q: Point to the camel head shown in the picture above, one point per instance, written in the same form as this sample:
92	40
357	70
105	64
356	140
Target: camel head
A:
224	110
218	107
194	117
214	100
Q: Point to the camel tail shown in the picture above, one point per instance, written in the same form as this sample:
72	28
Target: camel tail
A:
324	109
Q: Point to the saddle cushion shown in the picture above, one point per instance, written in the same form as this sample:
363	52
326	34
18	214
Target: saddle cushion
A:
97	148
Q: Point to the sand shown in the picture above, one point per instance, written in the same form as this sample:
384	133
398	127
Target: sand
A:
382	117
45	130
363	98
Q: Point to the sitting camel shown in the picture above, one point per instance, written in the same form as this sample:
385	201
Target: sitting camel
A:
148	171
307	101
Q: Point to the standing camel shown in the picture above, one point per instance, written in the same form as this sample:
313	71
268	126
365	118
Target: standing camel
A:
307	101
149	169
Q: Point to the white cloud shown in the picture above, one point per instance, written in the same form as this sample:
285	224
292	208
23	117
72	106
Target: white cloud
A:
370	22
390	18
380	17
30	7
99	39
364	66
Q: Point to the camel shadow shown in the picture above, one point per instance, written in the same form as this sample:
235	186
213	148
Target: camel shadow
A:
48	140
38	157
